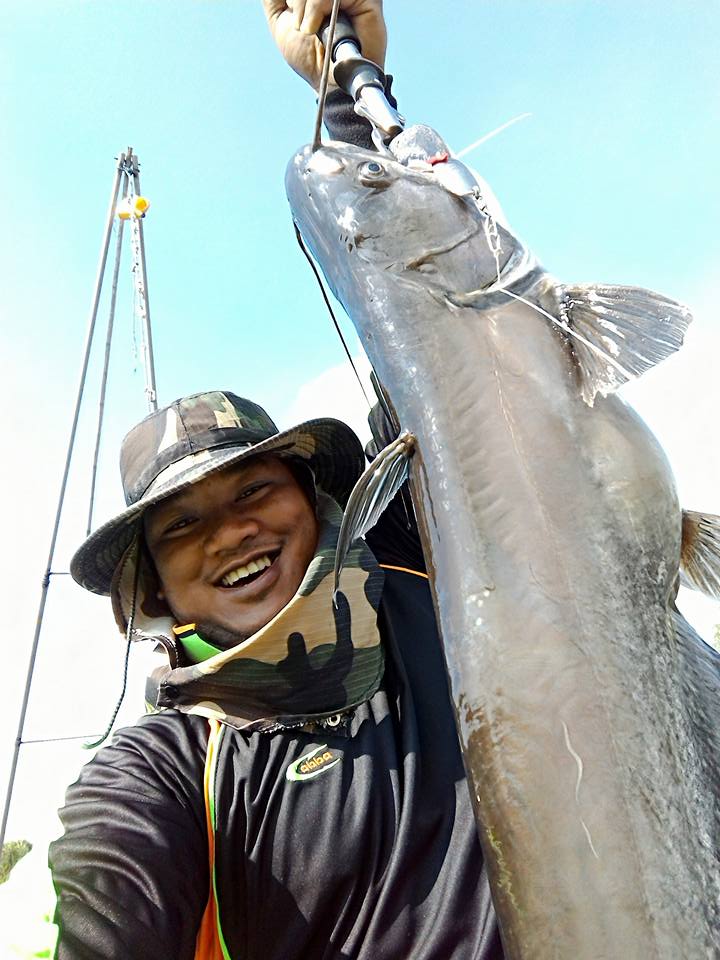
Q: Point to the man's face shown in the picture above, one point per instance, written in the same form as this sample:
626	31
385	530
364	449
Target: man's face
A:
232	549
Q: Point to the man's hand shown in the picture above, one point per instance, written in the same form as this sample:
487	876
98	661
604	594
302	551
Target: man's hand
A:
294	24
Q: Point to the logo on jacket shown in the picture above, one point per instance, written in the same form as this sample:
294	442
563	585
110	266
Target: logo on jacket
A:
311	764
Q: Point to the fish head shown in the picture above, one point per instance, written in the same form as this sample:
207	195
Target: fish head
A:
416	215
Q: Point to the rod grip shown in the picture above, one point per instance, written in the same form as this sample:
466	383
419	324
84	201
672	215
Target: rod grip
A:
343	31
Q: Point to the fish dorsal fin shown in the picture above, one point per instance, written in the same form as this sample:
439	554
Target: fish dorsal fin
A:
700	553
620	332
371	494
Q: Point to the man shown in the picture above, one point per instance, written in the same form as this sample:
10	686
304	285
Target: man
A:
299	791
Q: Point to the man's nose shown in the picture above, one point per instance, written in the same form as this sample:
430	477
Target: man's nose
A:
228	530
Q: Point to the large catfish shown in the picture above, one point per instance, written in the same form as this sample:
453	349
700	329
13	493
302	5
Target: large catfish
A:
587	708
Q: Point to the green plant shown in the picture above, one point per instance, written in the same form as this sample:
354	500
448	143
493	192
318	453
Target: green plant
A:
12	851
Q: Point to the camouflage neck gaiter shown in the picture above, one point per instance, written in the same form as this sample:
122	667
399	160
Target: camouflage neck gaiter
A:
311	661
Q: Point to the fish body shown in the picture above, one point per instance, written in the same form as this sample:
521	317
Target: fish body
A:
586	706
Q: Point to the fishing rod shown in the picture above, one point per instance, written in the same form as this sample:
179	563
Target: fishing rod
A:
127	205
359	77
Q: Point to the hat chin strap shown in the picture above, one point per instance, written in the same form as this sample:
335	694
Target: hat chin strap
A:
134	595
128	641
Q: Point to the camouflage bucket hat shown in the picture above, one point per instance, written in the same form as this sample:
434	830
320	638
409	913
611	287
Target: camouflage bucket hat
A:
193	437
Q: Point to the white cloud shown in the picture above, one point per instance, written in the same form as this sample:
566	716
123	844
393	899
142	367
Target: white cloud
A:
335	393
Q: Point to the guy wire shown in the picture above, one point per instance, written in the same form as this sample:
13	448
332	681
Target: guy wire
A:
108	345
79	736
331	311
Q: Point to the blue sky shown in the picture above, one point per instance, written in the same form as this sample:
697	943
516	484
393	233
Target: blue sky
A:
613	178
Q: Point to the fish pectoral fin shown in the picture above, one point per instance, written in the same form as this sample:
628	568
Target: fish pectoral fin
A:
700	553
619	332
371	494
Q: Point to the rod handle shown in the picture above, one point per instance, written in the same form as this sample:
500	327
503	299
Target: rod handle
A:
343	31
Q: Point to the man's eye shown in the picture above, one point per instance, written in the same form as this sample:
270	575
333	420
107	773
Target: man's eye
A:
249	491
178	524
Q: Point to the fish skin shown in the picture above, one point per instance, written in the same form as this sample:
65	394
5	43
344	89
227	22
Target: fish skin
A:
577	696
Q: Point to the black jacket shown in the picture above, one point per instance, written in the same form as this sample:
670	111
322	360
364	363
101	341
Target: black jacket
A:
375	857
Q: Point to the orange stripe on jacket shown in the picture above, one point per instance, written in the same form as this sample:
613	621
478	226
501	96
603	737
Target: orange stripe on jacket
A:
388	566
207	944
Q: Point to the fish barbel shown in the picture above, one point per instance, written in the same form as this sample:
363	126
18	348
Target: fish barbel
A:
587	707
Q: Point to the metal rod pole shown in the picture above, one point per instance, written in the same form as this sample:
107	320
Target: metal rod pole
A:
150	385
63	485
108	344
325	75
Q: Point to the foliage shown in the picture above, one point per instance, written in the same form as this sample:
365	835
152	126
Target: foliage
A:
12	851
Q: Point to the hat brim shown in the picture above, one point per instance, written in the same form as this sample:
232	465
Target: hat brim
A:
329	447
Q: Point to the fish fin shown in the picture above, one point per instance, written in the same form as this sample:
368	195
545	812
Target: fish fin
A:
699	665
385	404
619	332
371	494
700	553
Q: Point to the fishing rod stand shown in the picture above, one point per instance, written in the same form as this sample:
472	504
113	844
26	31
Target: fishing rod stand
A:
126	205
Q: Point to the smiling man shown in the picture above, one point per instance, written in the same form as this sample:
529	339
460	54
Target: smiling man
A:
297	790
231	551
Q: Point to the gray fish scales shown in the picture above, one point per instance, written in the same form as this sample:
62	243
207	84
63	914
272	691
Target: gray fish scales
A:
586	707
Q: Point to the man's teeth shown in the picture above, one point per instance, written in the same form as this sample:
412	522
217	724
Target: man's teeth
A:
255	566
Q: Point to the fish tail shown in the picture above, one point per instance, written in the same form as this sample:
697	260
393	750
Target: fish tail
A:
700	553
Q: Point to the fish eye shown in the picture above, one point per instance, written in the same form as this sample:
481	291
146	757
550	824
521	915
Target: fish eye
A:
371	170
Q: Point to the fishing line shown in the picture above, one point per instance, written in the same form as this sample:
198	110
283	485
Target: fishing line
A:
331	311
322	93
564	325
492	239
379	389
493	133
